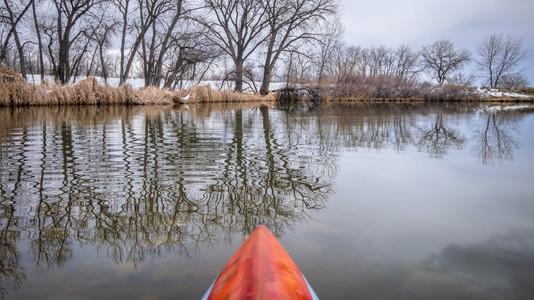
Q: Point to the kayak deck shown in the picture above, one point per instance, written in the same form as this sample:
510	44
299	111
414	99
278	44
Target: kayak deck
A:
260	269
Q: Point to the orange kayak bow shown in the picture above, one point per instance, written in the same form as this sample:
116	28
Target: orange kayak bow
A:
260	269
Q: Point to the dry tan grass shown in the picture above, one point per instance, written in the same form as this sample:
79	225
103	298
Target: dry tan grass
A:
15	91
155	96
197	94
204	93
85	92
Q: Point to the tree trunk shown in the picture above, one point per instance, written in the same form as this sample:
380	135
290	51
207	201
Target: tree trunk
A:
164	46
22	60
13	22
266	81
39	43
267	68
238	76
144	26
63	62
122	79
103	62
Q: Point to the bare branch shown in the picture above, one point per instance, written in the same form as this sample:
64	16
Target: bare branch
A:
500	57
441	59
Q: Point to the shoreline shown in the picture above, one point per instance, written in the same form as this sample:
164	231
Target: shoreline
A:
90	92
15	91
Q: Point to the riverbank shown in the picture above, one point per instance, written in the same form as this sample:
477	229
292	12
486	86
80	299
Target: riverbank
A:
16	91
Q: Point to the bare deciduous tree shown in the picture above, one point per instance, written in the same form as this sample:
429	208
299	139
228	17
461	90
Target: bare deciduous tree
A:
136	19
69	30
158	39
39	40
500	57
385	61
346	60
12	13
125	9
290	22
103	30
380	61
300	64
235	26
513	81
328	41
441	59
190	56
406	62
462	79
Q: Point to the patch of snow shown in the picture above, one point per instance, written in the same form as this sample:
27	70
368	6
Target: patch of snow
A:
498	108
496	93
138	83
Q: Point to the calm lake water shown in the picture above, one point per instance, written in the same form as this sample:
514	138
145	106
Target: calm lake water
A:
377	201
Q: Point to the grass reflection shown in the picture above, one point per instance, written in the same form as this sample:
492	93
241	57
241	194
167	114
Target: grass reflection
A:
137	188
140	183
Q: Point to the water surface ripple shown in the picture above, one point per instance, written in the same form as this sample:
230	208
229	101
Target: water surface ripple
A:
372	201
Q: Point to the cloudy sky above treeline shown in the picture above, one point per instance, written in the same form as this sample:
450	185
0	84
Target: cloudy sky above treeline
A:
421	22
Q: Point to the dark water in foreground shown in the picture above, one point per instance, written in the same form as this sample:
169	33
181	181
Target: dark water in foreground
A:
371	201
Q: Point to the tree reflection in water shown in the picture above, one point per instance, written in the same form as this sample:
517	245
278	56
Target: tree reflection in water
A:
139	183
495	140
140	186
11	272
437	138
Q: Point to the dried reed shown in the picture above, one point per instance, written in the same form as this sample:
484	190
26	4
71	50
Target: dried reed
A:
15	91
13	88
153	95
204	93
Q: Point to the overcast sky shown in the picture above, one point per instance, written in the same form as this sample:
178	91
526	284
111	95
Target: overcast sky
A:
421	22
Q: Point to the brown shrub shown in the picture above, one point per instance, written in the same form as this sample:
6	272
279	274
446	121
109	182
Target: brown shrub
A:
376	87
394	88
525	90
447	92
292	95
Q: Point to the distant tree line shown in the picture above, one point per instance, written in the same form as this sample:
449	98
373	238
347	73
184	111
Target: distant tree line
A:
166	42
247	42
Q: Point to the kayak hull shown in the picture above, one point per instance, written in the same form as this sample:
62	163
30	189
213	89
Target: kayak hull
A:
260	269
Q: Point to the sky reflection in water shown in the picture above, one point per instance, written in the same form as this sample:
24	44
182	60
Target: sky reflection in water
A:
371	201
